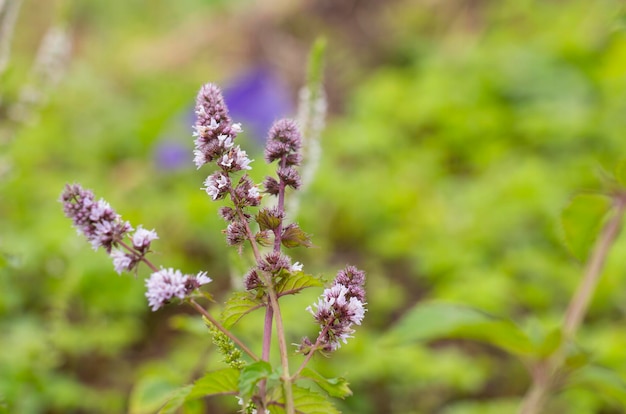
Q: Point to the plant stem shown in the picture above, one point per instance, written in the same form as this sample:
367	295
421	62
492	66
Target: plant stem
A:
222	329
267	341
9	10
545	370
314	348
580	302
272	310
141	257
278	232
284	359
280	331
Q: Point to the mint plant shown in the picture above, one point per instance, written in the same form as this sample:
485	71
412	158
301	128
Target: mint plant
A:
555	361
265	230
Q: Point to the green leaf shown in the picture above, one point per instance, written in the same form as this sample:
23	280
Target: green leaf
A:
250	375
294	283
264	238
577	358
620	172
238	305
582	221
293	236
219	382
307	401
149	394
176	400
315	69
602	380
550	343
213	383
266	220
431	321
335	387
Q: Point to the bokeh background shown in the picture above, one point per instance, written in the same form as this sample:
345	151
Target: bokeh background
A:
457	131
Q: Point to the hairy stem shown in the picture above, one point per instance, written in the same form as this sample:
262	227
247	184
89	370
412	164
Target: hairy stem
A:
282	345
225	331
280	331
201	310
267	342
281	207
272	310
141	257
314	348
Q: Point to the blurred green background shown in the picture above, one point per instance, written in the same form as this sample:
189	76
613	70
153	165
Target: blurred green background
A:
457	131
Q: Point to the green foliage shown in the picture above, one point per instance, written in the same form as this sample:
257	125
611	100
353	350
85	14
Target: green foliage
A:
220	382
582	221
620	172
308	402
217	382
237	306
251	374
152	393
456	139
431	321
335	387
605	382
295	282
293	236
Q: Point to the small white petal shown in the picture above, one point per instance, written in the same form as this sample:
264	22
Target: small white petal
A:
120	261
296	267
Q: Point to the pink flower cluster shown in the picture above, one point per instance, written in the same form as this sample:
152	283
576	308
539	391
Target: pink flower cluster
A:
340	306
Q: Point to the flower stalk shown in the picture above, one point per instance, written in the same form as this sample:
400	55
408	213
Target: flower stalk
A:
545	374
340	307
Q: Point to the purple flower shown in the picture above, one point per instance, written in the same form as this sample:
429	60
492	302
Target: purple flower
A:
166	284
290	176
96	220
252	280
122	262
284	141
353	279
217	185
258	98
274	262
142	239
213	129
236	233
234	160
246	193
340	306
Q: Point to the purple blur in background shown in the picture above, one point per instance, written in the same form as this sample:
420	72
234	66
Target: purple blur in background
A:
172	155
256	99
